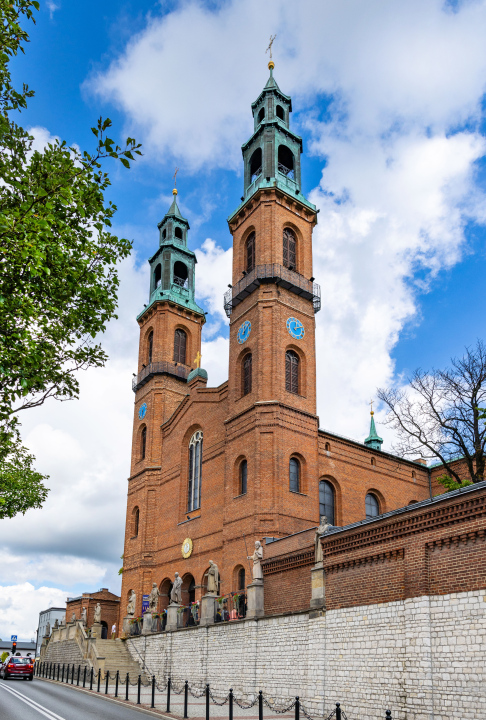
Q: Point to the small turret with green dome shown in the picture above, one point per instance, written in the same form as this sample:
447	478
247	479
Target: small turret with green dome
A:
373	441
172	267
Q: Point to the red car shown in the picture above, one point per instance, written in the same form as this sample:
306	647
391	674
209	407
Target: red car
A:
15	666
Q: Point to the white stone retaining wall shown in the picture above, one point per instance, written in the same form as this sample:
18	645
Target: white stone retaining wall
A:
422	658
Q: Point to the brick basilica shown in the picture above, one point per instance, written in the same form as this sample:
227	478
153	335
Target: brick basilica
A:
215	468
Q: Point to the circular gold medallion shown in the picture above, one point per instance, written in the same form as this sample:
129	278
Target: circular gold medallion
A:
186	548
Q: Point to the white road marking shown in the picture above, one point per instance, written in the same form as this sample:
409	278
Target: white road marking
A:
40	708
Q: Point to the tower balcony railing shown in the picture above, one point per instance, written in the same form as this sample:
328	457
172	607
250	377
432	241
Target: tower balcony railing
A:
159	368
272	273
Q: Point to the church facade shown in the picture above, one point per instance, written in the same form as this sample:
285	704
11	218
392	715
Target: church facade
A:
215	468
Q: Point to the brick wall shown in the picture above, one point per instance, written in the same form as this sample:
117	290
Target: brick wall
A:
110	607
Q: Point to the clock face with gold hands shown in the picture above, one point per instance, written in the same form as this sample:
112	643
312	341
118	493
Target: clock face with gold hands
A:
186	548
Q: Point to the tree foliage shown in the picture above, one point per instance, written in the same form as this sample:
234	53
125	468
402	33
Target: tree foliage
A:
58	256
439	415
21	487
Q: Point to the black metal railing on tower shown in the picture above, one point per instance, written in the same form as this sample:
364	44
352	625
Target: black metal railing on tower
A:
272	273
159	368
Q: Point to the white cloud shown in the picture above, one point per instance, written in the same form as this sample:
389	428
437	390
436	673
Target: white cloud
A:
213	273
20	606
52	7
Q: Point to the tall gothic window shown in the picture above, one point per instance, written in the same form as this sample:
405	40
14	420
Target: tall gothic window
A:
150	347
247	374
250	252
143	442
157	275
180	344
326	501
136	521
241	579
289	253
372	506
195	469
243	476
292	372
294	475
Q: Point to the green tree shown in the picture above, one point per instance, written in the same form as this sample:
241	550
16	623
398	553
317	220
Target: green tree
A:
439	416
58	264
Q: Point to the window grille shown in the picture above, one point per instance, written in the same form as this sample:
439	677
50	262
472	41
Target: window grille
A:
195	471
294	475
372	506
180	343
247	374
292	371
326	501
289	249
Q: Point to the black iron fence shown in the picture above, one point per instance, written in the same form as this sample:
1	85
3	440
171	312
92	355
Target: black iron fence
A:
145	690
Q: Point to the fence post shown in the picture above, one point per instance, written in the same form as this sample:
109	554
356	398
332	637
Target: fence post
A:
297	708
91	678
127	680
186	694
107	680
207	701
72	676
99	679
58	670
117	678
84	677
168	694
230	704
153	691
388	715
260	705
138	689
338	711
79	673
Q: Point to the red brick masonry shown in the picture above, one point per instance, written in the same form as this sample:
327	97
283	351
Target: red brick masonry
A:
436	547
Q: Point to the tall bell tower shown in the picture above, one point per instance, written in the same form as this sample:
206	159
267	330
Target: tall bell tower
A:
271	306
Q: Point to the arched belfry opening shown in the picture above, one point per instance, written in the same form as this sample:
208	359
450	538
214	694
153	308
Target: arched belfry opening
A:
157	276
256	164
178	233
280	112
285	161
180	274
261	114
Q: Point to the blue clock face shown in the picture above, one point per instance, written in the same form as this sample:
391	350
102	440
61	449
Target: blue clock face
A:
142	411
295	328
244	332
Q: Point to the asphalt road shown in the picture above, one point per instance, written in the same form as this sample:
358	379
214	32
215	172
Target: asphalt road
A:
33	700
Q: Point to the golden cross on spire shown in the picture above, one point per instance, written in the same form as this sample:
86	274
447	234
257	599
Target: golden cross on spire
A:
371	403
269	48
198	359
175	176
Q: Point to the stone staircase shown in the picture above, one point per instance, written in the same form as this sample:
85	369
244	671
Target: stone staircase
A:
67	652
117	657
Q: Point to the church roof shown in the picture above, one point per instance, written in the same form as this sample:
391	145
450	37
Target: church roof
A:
373	439
272	86
174	212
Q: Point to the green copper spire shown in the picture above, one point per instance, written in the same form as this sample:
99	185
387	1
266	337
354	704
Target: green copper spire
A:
172	267
373	441
272	155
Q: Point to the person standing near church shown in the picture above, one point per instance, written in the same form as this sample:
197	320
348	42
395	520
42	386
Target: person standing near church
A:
113	631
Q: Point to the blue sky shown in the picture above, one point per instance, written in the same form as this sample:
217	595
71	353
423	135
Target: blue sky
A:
389	99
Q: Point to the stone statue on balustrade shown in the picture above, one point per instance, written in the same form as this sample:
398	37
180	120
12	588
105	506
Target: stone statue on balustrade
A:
154	598
48	629
56	624
84	616
132	599
213	578
97	613
176	592
323	528
73	617
257	558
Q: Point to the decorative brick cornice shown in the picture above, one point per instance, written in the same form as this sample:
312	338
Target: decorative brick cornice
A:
368	560
432	518
463	538
289	562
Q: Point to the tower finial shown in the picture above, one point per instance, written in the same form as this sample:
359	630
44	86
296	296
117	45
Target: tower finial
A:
271	64
371	403
174	191
373	441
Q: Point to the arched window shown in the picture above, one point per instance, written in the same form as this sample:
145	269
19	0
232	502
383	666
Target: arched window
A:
373	461
247	374
292	372
178	233
180	344
326	501
280	112
294	475
256	164
327	447
180	273
289	249
157	275
164	233
243	476
241	579
195	468
150	347
143	442
135	521
372	506
414	474
261	114
285	161
250	252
